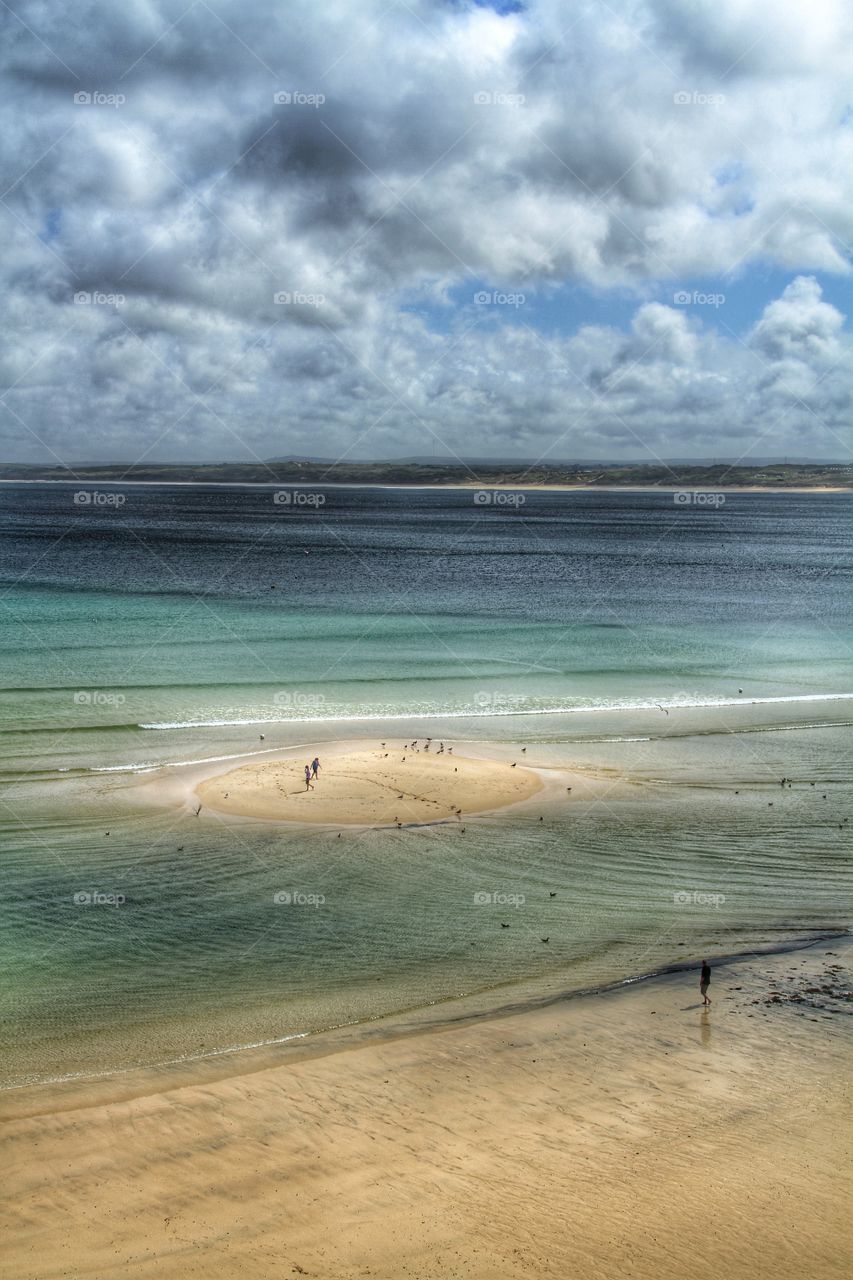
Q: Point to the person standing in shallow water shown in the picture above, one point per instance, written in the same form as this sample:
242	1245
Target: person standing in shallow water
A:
705	982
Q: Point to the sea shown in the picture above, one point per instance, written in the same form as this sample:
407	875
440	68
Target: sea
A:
695	646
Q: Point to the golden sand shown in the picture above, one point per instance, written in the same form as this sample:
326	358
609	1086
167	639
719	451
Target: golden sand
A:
627	1134
371	786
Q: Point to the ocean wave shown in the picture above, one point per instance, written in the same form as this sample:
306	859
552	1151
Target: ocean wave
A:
498	712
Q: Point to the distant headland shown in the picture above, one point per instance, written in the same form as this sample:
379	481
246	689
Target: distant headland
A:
518	475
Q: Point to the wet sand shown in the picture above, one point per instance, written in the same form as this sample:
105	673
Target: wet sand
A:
359	785
626	1133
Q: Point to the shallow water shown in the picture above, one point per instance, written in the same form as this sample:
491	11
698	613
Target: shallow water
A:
613	631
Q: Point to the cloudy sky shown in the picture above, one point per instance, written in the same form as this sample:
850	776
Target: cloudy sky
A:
379	228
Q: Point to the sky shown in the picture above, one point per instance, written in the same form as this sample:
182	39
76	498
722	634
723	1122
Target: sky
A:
245	229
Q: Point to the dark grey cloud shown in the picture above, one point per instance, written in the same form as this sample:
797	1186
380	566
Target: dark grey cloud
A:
254	197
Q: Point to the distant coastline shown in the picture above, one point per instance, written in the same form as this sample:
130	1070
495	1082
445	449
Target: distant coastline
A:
782	477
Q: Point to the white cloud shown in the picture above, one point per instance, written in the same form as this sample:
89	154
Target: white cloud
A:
199	199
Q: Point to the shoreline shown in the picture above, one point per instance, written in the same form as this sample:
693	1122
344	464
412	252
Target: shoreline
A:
435	1017
578	1119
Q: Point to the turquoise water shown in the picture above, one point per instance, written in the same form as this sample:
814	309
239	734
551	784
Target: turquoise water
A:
697	652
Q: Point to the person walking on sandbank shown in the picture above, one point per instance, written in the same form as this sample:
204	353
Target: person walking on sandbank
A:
308	784
315	765
705	982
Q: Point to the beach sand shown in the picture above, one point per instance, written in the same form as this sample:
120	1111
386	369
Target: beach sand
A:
628	1133
371	786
